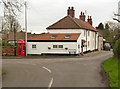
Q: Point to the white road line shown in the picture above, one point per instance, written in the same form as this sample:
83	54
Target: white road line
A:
47	69
50	84
51	81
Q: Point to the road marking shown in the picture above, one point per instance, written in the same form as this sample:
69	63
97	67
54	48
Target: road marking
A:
51	81
47	69
50	84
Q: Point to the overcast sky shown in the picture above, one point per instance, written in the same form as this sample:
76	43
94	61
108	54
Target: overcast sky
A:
42	13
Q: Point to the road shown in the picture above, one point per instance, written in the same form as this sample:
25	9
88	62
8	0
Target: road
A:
55	72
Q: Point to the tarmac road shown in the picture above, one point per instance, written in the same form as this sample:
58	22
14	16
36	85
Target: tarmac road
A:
55	72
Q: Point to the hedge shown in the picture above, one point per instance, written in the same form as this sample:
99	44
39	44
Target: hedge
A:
116	49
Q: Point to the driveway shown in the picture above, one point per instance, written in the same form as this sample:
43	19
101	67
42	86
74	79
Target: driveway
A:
55	72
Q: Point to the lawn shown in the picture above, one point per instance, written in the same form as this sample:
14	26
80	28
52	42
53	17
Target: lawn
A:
111	67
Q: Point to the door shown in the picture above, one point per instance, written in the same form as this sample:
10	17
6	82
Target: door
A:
82	47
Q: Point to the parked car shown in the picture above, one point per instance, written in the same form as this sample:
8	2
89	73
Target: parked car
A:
107	46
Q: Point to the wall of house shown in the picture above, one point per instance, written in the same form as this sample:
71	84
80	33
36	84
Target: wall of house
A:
92	41
97	41
42	47
83	37
89	38
64	30
100	43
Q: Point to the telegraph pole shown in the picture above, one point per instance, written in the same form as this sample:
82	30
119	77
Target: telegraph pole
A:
14	39
26	25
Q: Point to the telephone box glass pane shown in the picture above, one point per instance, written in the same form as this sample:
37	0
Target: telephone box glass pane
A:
19	49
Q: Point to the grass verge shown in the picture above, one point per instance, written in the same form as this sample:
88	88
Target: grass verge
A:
111	68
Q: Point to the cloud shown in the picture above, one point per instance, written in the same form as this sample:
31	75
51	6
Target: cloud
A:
42	13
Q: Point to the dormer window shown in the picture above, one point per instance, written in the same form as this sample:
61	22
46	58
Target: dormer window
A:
53	36
67	36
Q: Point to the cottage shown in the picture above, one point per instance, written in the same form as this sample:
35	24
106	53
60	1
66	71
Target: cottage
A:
70	35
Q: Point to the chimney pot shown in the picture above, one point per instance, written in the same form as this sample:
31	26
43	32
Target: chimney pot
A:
90	17
72	8
90	20
71	11
81	13
82	16
68	8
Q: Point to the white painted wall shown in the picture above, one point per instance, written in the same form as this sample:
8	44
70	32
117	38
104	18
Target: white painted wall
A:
42	47
92	42
100	43
96	40
90	38
64	30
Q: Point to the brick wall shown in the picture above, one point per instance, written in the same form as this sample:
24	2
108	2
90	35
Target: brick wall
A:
8	50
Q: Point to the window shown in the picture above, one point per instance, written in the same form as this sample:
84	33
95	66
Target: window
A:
57	46
67	36
78	46
60	46
34	46
54	46
53	36
84	32
88	33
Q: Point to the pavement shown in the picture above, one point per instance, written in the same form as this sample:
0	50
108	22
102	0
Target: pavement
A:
55	72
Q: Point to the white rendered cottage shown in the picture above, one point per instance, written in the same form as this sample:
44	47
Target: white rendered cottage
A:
69	35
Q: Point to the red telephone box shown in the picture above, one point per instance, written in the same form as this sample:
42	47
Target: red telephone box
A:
21	49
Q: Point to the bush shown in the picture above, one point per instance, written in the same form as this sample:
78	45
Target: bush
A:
4	43
116	49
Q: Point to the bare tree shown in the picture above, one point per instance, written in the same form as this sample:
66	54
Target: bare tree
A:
112	25
12	10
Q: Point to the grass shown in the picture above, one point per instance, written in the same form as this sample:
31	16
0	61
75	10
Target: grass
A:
111	67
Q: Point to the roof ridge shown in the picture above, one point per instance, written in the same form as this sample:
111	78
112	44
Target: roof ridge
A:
57	22
87	24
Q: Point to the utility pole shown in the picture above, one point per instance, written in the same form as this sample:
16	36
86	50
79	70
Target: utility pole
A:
14	39
26	25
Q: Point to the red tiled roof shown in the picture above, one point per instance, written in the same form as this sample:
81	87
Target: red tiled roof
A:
60	36
71	23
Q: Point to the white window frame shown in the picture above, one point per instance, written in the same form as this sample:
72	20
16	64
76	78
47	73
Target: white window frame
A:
34	45
58	46
55	47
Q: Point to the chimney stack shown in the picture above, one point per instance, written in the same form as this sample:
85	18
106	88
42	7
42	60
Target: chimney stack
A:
82	16
71	11
90	20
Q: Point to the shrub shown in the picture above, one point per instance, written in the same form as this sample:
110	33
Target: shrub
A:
4	43
116	49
